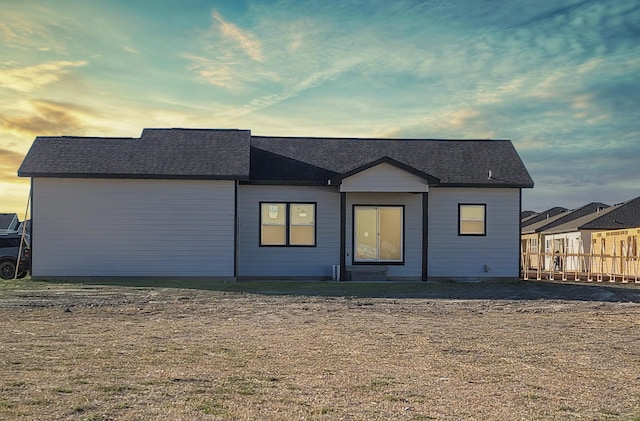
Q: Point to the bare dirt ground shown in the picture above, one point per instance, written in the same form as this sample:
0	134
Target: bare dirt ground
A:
502	351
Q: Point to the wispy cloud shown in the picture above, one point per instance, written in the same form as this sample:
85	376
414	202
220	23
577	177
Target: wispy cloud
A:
248	42
130	50
9	163
229	57
295	88
30	78
212	72
33	28
47	118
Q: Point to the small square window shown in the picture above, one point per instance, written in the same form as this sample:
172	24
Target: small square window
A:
472	219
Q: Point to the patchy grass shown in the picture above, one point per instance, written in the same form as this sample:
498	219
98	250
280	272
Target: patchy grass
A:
281	350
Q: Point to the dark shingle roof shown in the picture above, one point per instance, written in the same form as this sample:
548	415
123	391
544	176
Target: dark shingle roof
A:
6	219
622	215
527	213
453	162
563	218
158	153
542	216
625	215
235	154
538	226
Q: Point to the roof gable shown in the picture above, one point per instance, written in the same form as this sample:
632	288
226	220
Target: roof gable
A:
383	176
388	161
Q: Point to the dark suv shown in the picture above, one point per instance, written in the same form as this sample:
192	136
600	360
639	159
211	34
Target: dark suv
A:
9	247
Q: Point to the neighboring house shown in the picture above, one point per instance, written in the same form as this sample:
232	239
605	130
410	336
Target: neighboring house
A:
542	216
533	235
574	237
527	214
616	252
274	207
8	222
532	243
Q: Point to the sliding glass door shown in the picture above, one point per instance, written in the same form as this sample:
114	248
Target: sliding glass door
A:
378	233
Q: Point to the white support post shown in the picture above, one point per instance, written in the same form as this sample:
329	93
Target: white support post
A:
624	257
612	272
564	261
602	250
591	263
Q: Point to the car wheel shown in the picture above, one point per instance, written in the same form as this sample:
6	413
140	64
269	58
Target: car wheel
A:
7	270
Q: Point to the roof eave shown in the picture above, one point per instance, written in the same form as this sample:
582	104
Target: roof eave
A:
484	185
282	183
132	176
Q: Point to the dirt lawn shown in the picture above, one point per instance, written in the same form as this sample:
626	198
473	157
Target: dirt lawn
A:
315	351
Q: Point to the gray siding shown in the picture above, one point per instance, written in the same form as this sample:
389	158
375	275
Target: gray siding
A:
95	227
256	261
412	267
383	178
451	255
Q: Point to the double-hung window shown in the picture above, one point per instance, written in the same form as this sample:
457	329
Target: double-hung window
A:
287	224
472	219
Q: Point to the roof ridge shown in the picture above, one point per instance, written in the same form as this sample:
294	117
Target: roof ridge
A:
378	138
193	129
88	137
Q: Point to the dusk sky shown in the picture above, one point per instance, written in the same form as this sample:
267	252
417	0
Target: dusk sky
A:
561	79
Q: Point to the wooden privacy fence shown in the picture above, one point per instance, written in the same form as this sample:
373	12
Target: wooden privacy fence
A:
620	263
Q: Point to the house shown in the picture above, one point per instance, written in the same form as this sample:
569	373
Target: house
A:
616	252
575	237
534	218
527	214
8	222
274	207
533	235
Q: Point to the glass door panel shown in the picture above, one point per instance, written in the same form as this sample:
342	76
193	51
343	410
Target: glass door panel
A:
366	222
390	234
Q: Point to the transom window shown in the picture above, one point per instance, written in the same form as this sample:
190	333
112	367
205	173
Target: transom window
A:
472	219
287	224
